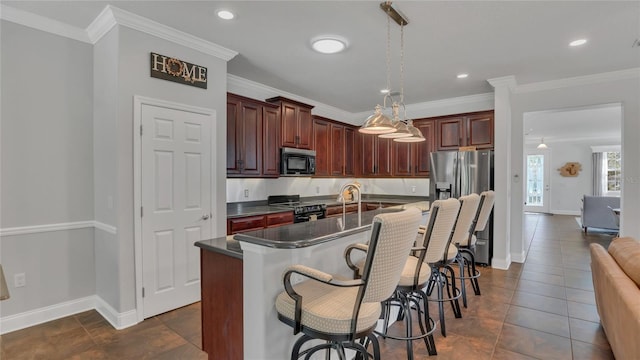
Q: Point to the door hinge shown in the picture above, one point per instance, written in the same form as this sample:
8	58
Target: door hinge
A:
142	292
140	130
141	211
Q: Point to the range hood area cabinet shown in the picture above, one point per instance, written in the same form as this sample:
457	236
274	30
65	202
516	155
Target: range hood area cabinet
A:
470	129
296	123
334	143
253	129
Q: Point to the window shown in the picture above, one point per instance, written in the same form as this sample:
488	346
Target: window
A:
613	173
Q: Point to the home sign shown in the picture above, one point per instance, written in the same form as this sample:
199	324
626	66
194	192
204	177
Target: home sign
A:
172	69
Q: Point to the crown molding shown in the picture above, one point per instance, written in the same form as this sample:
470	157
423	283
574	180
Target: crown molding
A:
111	16
42	23
508	81
255	90
579	80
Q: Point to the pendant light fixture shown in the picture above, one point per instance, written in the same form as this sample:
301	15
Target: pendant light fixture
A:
414	135
542	145
379	123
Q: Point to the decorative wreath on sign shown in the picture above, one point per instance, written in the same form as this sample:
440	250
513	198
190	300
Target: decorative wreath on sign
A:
570	169
174	67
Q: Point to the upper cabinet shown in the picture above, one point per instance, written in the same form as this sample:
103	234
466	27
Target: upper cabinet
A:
334	144
296	124
375	156
473	129
252	133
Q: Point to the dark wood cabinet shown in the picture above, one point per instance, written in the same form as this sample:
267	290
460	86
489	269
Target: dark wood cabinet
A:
349	151
252	138
403	159
257	222
472	129
222	301
334	144
295	124
336	210
322	145
423	149
375	156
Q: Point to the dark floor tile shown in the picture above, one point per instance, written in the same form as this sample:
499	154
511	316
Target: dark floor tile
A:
538	320
534	343
588	332
186	351
539	302
546	269
581	296
486	330
543	278
583	311
539	288
584	351
455	347
502	354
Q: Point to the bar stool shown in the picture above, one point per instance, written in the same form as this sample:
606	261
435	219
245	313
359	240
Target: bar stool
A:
468	247
342	311
470	206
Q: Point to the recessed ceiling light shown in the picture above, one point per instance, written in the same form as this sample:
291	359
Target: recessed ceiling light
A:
578	42
328	45
384	91
462	76
225	14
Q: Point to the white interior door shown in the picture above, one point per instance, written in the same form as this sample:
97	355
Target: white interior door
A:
537	182
176	205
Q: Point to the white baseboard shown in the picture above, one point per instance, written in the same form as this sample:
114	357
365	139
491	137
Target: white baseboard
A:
68	308
519	257
502	264
116	319
566	212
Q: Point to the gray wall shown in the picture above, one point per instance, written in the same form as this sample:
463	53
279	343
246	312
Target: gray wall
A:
47	166
133	79
105	110
625	91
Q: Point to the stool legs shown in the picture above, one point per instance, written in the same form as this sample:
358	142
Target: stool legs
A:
440	279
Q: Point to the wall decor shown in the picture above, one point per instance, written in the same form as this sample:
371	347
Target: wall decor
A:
172	69
570	169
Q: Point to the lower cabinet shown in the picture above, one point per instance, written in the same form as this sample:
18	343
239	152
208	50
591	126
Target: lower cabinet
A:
336	210
257	222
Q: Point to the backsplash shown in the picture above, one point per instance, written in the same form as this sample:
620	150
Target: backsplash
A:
239	190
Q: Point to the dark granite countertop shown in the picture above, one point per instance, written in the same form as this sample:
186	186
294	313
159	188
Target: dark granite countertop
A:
226	245
316	232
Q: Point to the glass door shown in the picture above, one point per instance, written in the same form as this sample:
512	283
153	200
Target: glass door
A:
537	182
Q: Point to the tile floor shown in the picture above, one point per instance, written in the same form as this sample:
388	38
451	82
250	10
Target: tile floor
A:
543	309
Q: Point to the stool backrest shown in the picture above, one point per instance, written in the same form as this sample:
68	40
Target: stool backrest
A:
437	239
465	224
487	206
389	252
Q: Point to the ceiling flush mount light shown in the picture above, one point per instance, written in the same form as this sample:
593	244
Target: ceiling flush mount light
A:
542	145
328	45
578	42
462	76
225	14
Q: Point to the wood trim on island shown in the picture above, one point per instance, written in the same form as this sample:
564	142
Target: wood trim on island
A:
222	319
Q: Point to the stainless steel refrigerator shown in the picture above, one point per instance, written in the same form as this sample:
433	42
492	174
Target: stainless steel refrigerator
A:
458	173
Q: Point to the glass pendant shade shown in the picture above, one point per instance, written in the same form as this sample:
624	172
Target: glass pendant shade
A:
378	123
416	135
542	144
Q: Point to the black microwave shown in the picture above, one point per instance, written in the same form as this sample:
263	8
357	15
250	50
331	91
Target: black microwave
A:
297	162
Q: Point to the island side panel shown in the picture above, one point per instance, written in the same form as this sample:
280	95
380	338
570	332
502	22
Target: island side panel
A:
222	294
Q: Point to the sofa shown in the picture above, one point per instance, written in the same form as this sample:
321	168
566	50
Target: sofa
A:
616	283
596	212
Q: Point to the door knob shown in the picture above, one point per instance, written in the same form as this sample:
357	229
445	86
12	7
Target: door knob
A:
205	217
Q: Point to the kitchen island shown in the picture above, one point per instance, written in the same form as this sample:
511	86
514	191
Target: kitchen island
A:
251	275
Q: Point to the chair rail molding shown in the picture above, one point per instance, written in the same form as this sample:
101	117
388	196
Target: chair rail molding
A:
34	229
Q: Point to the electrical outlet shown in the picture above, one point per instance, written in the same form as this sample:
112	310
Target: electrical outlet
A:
19	280
246	193
317	189
413	189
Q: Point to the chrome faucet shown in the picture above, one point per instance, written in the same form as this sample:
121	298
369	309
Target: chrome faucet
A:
351	187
